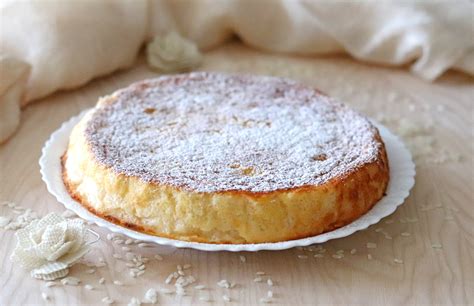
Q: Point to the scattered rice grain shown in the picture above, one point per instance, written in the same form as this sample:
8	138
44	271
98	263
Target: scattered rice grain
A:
134	302
45	296
50	284
371	245
73	281
151	296
223	283
169	279
107	300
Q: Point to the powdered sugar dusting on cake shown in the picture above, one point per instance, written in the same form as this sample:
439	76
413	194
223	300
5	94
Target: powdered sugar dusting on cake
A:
213	132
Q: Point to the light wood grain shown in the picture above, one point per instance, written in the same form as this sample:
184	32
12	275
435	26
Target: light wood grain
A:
427	276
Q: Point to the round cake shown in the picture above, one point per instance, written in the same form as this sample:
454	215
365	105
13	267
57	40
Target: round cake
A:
225	158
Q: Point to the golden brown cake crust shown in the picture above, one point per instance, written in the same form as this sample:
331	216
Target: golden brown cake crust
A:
330	223
250	213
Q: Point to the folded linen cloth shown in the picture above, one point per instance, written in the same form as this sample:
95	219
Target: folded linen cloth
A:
67	43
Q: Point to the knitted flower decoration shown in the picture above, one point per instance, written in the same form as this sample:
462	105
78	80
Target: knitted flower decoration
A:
49	246
173	53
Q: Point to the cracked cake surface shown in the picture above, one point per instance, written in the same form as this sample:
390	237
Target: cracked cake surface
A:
214	132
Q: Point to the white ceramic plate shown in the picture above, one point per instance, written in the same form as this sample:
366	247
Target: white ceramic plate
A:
402	179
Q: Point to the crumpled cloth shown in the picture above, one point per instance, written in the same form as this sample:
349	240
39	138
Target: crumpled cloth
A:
50	45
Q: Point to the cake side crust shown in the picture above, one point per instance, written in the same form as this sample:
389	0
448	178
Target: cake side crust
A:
232	216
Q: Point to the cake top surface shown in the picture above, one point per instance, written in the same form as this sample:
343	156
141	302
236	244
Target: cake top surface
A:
212	132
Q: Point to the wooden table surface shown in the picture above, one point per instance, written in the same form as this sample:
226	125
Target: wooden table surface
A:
432	232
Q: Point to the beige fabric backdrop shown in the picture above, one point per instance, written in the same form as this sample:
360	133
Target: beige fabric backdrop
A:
54	44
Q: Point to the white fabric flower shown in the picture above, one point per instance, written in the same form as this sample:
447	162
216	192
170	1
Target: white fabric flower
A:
49	246
173	53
